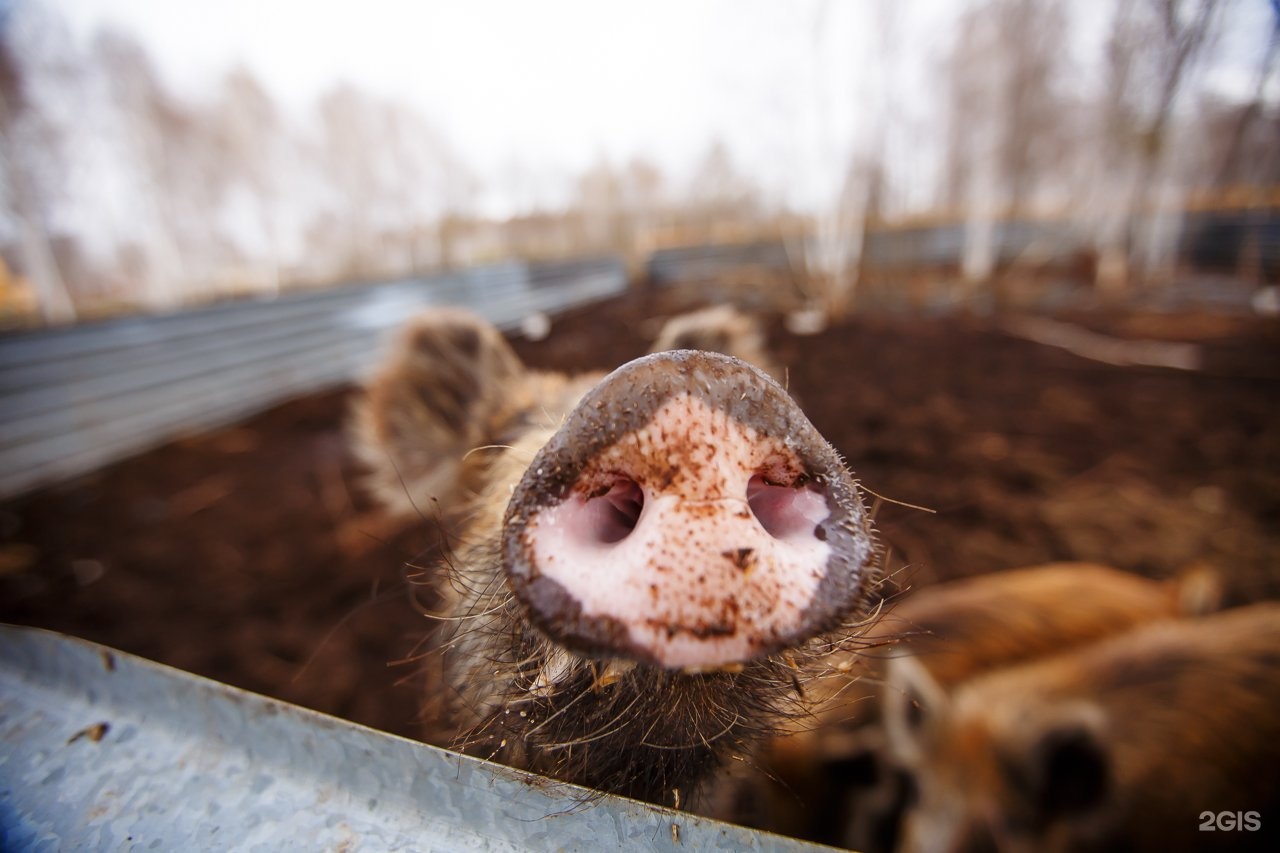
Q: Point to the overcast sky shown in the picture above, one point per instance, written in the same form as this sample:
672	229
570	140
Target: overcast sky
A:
546	87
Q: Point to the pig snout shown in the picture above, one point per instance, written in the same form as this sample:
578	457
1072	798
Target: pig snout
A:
686	515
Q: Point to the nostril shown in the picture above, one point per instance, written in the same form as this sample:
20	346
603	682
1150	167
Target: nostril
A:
786	512
615	513
627	500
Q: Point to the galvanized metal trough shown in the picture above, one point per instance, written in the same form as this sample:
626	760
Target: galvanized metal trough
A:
100	750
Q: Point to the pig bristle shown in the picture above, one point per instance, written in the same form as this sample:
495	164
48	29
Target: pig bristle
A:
570	727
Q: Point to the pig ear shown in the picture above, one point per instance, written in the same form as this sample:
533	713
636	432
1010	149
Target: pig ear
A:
1070	765
445	389
722	329
914	703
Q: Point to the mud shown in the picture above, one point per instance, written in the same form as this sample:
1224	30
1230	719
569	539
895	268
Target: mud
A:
248	554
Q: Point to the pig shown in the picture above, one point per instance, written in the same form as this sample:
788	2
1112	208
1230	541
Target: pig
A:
648	565
843	783
1136	742
961	629
722	329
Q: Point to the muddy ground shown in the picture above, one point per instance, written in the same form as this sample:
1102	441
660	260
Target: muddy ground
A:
248	554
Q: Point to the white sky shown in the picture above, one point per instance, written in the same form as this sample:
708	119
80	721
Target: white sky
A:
552	85
546	87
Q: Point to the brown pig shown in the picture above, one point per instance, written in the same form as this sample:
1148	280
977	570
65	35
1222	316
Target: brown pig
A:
650	563
1139	742
842	784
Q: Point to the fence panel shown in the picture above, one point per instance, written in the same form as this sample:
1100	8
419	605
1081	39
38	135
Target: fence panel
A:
74	399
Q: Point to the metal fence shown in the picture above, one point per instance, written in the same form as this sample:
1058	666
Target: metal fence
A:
74	399
1228	240
685	264
1213	240
897	248
944	244
104	751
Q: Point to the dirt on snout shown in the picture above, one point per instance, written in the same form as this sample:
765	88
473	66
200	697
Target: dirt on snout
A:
249	555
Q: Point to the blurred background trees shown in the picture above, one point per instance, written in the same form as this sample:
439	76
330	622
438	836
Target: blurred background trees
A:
120	193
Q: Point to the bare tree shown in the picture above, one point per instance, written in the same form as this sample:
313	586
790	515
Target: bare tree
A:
348	142
390	172
1153	49
1231	165
720	196
155	133
849	165
30	166
433	182
601	205
1004	112
644	196
252	145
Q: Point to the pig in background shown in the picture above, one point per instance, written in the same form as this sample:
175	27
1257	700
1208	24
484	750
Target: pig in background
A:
838	779
646	567
1137	742
723	329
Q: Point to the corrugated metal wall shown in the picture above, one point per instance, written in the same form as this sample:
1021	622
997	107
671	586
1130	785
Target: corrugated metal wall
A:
74	399
1208	240
698	263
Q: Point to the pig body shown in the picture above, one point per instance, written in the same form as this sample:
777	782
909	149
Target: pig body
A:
648	564
849	786
965	627
1123	744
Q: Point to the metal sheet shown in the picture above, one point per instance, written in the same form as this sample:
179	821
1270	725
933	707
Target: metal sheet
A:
74	399
103	751
686	264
